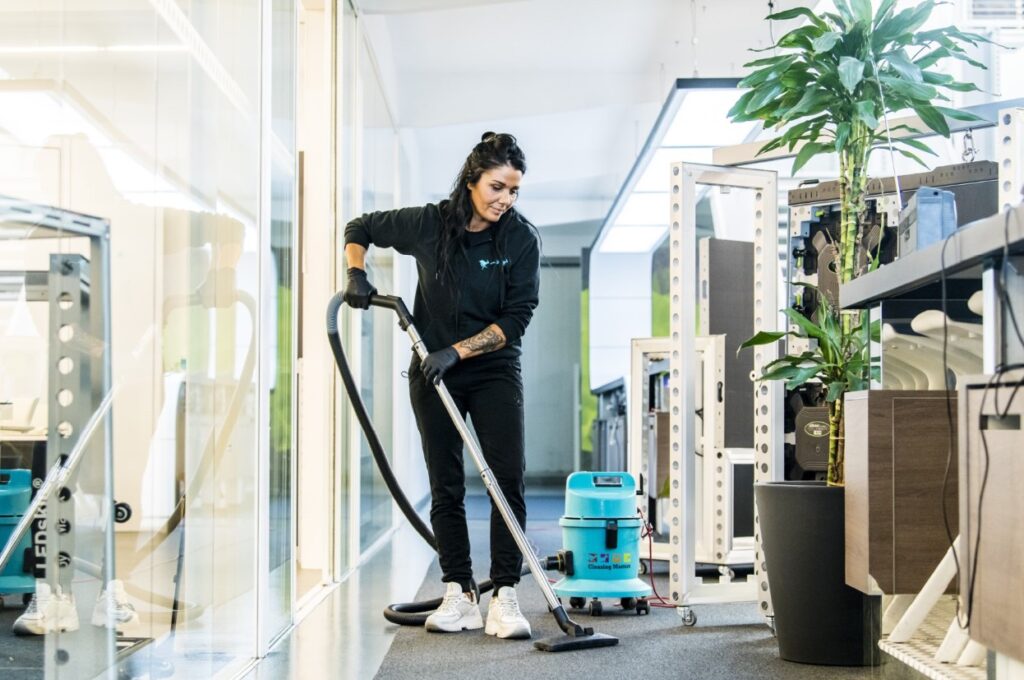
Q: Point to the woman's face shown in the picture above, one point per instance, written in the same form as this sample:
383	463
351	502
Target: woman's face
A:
495	192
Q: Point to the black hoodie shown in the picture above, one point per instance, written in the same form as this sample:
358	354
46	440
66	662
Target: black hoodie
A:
487	289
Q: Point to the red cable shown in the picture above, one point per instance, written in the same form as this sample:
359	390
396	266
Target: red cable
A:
657	600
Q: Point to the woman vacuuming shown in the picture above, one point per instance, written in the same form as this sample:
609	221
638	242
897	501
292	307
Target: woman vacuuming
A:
478	261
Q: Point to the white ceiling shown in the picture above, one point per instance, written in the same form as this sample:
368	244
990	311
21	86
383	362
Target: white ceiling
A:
579	82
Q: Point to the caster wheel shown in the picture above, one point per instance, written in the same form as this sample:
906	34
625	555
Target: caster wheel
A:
688	617
643	608
643	567
577	602
628	603
596	608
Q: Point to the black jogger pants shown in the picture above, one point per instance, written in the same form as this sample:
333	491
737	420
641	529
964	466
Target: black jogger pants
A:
491	393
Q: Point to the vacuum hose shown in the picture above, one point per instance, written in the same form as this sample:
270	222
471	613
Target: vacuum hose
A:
410	613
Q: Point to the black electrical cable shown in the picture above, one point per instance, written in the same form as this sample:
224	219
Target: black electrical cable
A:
1003	294
407	613
1001	369
951	443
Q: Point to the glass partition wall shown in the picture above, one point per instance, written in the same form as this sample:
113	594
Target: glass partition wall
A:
172	127
173	124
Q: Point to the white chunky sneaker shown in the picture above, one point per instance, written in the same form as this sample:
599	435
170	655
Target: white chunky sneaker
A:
458	611
112	608
47	612
504	618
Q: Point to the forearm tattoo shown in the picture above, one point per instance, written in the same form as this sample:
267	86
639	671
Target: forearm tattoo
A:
487	340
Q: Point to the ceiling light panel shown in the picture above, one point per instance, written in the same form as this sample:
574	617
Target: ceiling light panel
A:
702	120
622	239
645	209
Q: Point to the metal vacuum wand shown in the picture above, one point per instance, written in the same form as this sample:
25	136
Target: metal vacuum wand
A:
579	636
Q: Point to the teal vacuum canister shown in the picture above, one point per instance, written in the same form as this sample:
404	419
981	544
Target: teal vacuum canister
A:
600	538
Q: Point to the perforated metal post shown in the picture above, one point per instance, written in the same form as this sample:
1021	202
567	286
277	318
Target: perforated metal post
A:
685	589
1010	156
70	393
768	417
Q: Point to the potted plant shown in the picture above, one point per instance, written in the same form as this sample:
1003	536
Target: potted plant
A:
829	87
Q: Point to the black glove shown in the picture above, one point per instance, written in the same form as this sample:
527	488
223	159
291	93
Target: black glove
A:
358	289
437	363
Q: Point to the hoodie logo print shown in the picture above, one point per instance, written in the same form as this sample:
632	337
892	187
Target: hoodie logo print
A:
484	264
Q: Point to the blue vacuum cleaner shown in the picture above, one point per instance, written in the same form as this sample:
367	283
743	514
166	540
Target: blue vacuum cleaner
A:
601	543
15	494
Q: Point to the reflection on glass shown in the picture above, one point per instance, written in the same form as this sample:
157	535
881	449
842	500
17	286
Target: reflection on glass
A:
161	138
378	193
344	158
279	331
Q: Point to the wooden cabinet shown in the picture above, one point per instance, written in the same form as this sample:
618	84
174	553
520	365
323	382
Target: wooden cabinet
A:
992	527
897	445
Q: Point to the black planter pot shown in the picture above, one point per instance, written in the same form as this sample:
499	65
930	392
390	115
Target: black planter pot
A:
818	618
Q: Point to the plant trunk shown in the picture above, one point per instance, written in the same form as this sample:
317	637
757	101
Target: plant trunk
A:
853	179
836	443
852	187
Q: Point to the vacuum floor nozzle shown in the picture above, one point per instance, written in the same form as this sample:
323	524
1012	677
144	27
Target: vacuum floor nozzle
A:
568	643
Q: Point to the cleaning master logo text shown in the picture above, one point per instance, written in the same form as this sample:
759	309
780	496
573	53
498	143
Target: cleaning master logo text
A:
609	561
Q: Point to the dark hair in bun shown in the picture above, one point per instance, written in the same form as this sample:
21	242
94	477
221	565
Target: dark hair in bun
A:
494	150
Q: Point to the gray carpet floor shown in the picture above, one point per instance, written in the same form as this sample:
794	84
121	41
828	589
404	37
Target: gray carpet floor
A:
729	641
21	658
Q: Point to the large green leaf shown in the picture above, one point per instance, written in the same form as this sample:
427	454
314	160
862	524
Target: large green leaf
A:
899	61
810	102
839	22
835	390
763	96
862	10
843	8
808	151
780	373
904	23
758	77
961	56
912	156
809	328
771	61
909	129
797	12
825	41
763	338
957	114
908	89
932	58
842	135
795	359
934	78
851	71
915	143
958	87
799	37
884	10
796	78
932	118
866	112
802	375
739	108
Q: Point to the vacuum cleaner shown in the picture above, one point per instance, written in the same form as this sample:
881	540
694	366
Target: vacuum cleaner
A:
601	539
575	636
